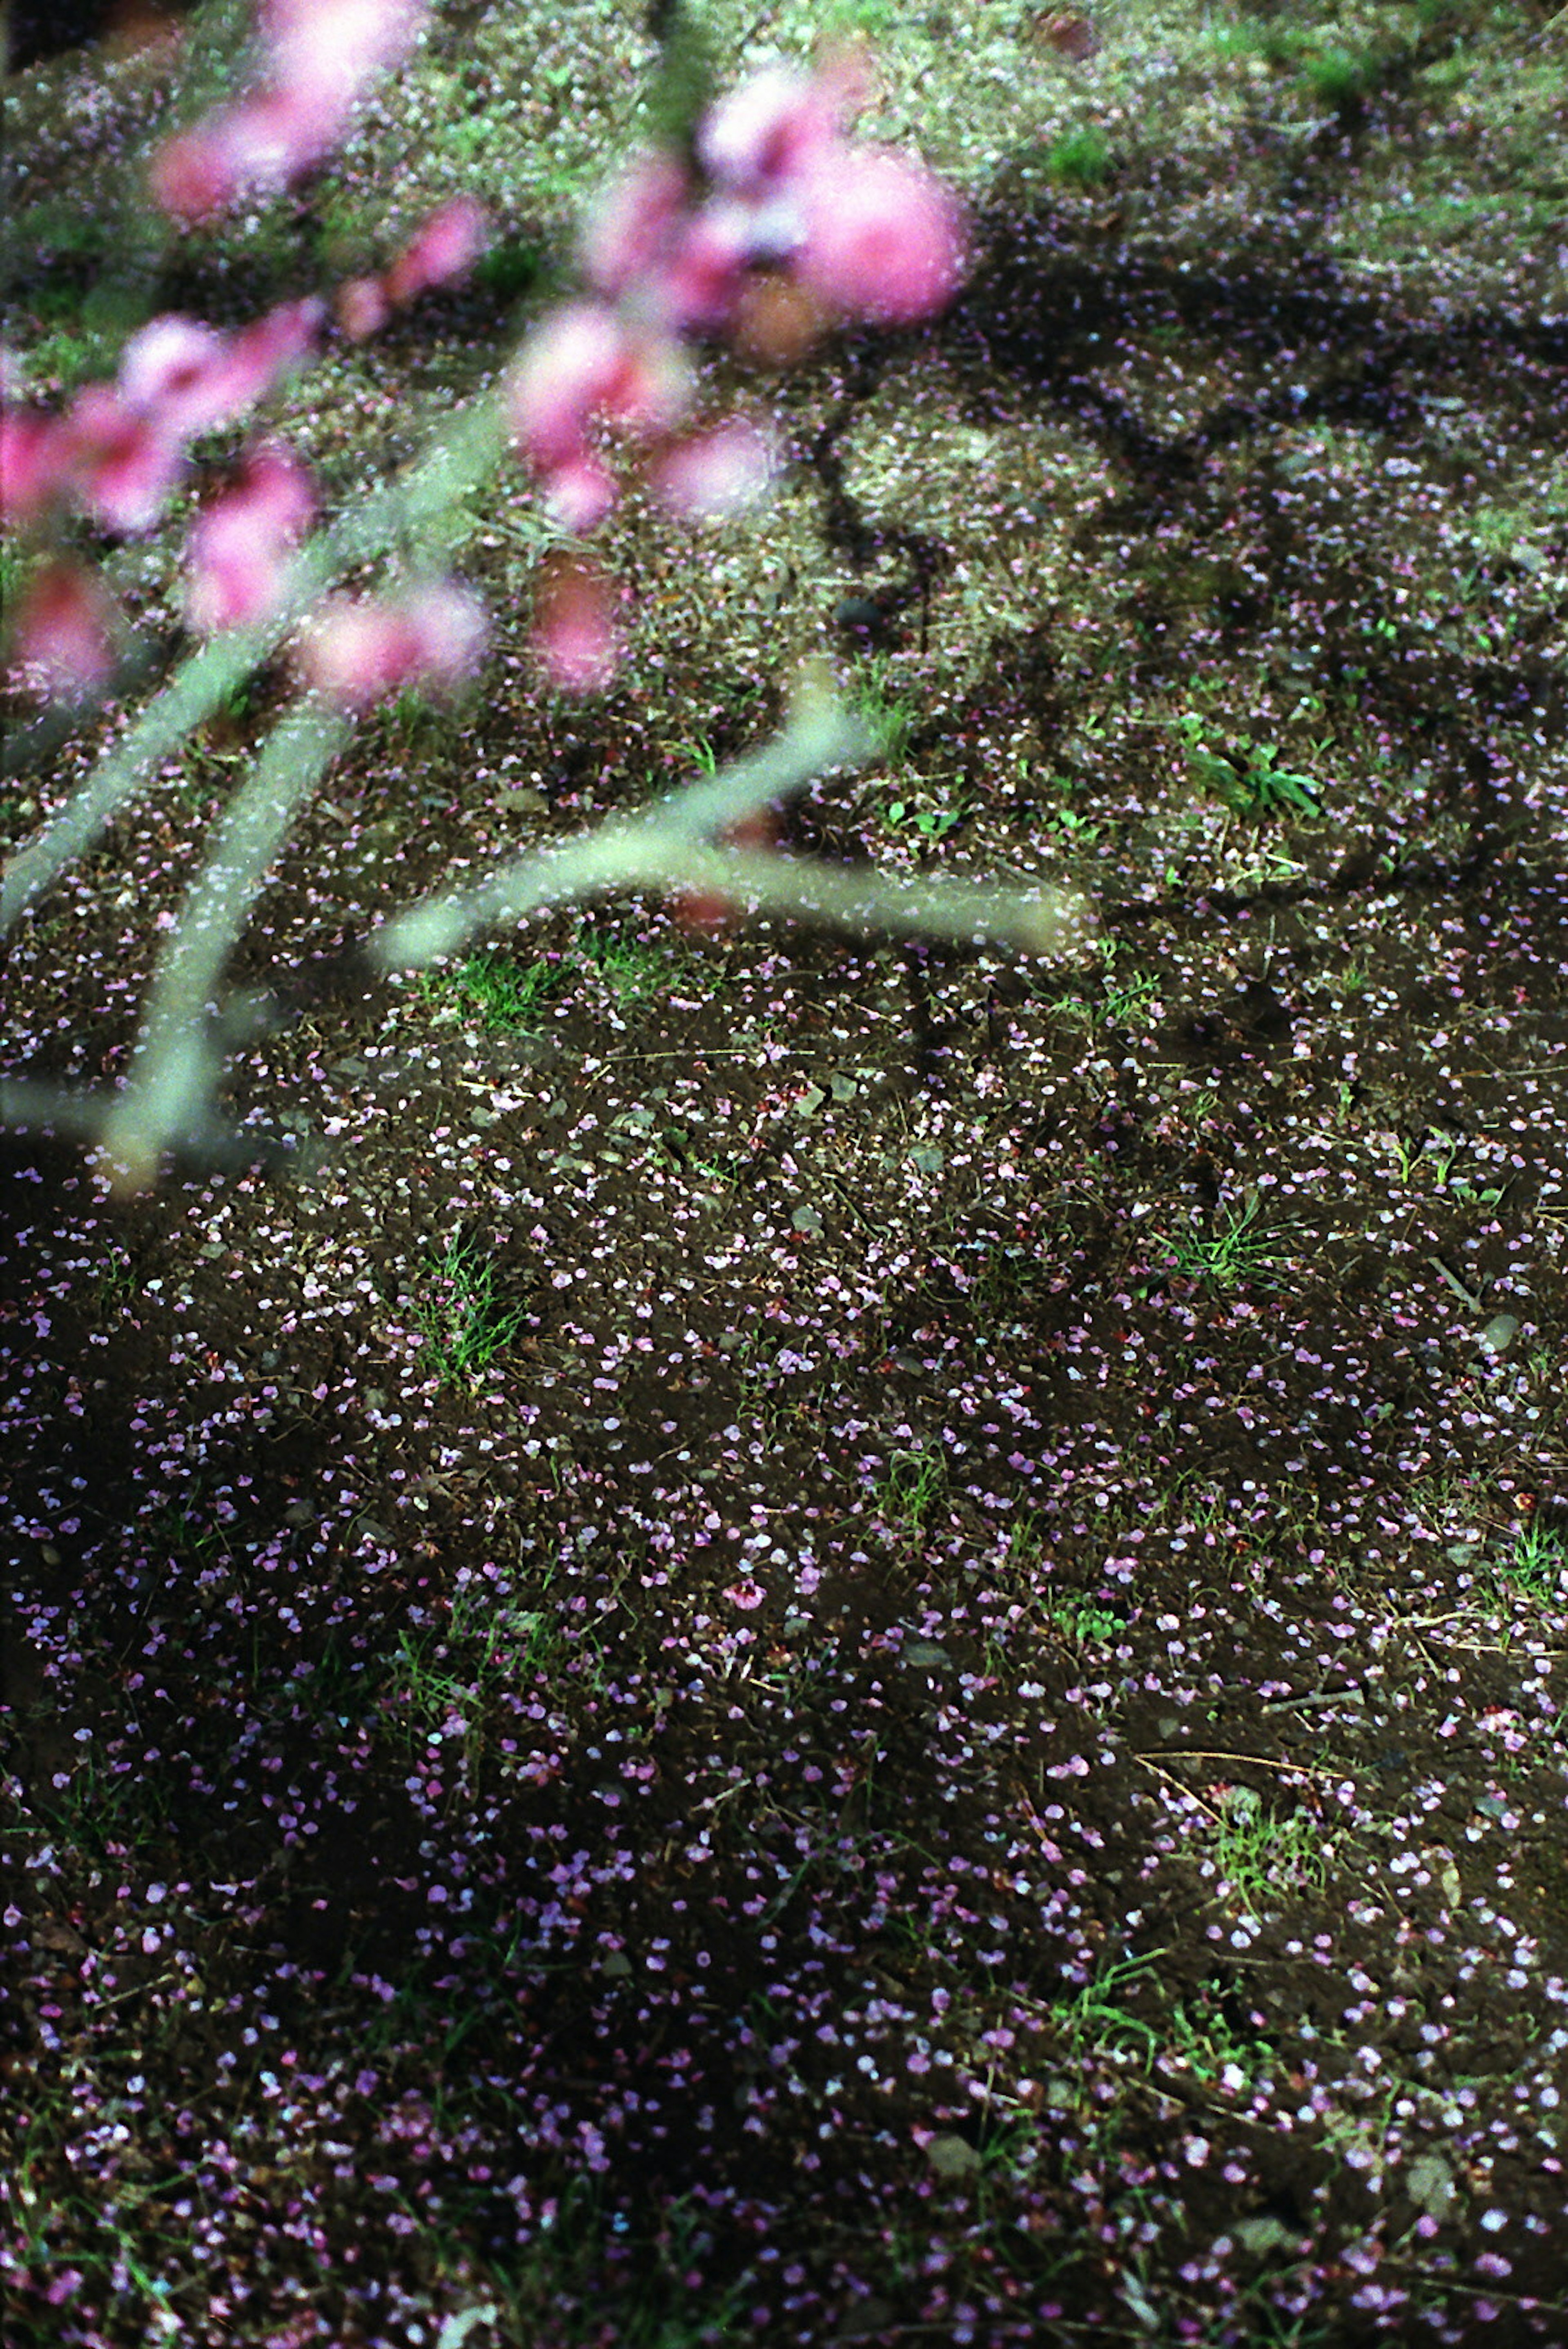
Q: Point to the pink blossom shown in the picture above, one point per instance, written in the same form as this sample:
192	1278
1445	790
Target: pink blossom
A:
580	494
747	1595
447	246
355	653
238	546
124	465
35	464
197	173
575	637
260	355
583	363
65	631
702	276
633	222
715	474
567	369
333	47
173	370
884	238
775	126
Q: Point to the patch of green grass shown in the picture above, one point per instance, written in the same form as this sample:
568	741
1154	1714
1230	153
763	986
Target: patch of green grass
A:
504	995
911	1486
1080	157
1258	1856
1538	1563
1340	77
1232	1251
465	1325
889	720
1094	2017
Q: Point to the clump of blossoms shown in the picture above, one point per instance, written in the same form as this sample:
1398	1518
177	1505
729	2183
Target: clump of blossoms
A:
771	226
775	227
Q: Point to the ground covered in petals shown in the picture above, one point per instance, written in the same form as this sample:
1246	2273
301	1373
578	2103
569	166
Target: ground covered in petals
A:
811	1640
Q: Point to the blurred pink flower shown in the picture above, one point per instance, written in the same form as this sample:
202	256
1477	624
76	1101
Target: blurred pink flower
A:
884	237
239	545
582	363
35	464
715	474
259	356
447	246
355	653
774	127
361	308
631	224
173	371
65	628
580	494
124	466
333	47
575	637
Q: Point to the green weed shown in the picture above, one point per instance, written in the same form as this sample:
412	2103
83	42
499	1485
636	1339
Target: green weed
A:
1249	779
931	822
1538	1563
1094	2017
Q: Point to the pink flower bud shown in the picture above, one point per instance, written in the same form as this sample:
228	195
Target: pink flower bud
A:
239	546
357	653
65	631
575	637
716	474
197	173
884	238
447	246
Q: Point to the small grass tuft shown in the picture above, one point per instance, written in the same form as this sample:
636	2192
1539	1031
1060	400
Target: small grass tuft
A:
465	1325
